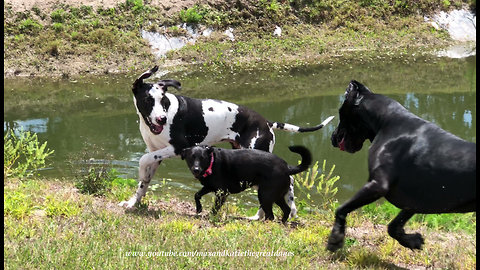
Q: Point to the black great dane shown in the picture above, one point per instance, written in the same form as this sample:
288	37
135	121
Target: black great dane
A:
170	123
414	164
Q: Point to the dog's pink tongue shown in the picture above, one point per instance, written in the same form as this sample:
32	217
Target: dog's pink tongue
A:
158	129
341	144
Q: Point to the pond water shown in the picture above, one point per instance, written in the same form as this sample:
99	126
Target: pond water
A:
99	111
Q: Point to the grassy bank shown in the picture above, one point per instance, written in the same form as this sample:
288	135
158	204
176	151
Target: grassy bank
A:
49	224
71	40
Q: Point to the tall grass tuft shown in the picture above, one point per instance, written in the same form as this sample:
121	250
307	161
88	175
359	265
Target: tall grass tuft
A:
314	182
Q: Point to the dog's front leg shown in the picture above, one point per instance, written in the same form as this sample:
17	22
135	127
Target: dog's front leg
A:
369	193
198	196
148	164
220	198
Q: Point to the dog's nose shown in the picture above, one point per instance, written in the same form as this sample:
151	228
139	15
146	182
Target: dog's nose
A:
161	120
196	170
334	139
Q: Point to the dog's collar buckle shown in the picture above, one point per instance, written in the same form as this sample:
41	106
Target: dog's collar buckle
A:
209	170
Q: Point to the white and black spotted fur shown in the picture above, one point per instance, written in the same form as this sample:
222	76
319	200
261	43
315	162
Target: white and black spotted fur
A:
169	123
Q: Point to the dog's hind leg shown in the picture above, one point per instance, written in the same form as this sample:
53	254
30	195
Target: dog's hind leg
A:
266	203
289	199
148	164
285	209
395	230
369	193
260	213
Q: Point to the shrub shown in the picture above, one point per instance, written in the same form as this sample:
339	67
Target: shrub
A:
30	26
23	154
314	182
58	15
96	181
135	5
96	176
191	15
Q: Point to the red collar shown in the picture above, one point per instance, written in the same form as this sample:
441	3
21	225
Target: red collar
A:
209	170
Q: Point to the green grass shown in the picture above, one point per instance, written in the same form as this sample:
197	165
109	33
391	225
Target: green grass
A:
48	224
383	213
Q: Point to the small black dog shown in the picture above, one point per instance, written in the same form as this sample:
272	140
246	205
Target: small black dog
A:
226	171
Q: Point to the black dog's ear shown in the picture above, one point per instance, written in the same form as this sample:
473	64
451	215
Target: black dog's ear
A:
167	83
355	92
209	149
144	75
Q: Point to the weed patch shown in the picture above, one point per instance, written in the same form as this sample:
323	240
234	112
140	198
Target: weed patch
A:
23	154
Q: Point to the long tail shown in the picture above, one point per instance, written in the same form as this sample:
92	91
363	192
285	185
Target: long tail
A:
293	128
306	159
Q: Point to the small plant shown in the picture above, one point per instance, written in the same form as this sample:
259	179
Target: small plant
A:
30	26
58	15
135	5
191	15
23	154
96	176
314	182
52	48
95	181
176	31
17	204
58	27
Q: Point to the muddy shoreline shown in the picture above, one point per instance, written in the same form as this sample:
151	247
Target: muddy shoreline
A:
85	38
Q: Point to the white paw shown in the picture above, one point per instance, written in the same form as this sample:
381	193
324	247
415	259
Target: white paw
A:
130	204
256	217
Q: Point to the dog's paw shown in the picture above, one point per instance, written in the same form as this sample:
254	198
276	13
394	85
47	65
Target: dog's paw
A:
412	241
258	216
130	204
335	241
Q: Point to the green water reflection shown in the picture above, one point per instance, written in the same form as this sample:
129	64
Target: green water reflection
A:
100	111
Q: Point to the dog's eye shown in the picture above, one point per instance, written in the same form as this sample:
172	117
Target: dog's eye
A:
149	100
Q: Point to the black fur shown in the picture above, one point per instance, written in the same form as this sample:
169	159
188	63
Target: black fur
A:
235	170
414	164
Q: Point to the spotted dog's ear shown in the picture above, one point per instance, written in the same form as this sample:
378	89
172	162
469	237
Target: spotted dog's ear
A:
144	75
166	83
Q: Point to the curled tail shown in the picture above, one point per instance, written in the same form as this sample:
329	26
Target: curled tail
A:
293	128
306	159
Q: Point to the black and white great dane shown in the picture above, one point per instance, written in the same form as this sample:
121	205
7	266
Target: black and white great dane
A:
169	123
414	164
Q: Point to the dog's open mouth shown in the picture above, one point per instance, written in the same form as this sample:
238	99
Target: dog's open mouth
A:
156	129
341	144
